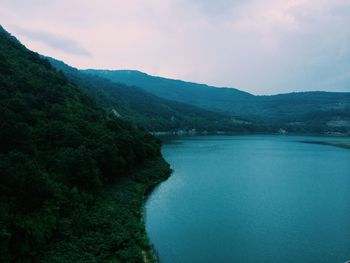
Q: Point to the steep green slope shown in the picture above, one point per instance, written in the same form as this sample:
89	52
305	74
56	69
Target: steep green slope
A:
306	112
150	111
58	151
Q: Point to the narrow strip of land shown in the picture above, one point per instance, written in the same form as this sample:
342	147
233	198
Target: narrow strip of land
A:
336	144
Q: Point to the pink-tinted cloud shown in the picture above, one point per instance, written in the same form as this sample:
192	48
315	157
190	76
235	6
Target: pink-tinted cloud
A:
261	46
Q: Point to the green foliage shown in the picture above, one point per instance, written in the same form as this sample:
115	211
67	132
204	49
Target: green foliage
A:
114	223
58	151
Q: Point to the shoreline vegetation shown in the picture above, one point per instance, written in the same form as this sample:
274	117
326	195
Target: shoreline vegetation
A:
345	145
115	224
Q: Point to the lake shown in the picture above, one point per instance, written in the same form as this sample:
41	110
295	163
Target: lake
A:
252	199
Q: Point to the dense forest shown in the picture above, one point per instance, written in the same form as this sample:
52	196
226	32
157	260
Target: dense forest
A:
152	112
303	112
72	176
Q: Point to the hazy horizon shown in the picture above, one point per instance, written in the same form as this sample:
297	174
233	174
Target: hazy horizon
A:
261	47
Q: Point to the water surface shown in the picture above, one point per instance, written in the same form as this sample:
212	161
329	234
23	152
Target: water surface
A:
252	199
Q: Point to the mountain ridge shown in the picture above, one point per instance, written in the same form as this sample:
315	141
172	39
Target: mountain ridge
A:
151	111
141	73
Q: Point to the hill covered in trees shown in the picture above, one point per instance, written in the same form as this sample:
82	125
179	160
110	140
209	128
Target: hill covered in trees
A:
72	177
201	95
304	112
153	112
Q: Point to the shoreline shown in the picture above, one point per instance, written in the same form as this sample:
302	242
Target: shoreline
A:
189	133
141	184
116	230
152	253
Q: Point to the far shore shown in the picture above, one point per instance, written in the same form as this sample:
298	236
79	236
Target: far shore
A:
194	132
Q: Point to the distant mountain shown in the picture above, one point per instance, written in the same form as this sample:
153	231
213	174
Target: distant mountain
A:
304	112
201	95
150	111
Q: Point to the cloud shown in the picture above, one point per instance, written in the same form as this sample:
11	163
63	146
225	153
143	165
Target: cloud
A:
219	7
53	41
261	46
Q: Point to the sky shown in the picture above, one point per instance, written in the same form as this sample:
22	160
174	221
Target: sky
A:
259	46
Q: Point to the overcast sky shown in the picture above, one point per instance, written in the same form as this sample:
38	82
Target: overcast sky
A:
261	46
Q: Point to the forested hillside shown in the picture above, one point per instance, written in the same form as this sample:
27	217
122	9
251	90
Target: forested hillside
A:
304	112
201	95
152	112
58	152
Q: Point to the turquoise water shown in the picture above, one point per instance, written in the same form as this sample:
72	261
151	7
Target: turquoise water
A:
252	199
